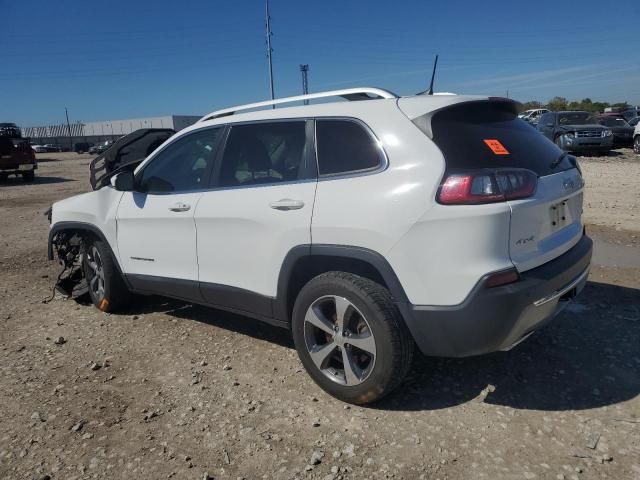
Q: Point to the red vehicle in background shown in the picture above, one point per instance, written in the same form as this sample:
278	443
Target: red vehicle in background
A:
16	155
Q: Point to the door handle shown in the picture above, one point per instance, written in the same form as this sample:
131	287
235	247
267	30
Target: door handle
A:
287	204
180	207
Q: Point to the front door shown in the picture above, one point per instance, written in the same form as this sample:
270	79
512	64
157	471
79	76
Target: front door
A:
155	224
258	211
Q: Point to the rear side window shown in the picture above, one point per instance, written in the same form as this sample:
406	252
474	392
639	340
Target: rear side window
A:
490	135
265	152
345	146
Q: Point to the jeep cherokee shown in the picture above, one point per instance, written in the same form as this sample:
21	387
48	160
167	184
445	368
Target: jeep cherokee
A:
366	227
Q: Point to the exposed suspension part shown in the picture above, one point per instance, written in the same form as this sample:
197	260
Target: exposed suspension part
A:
69	248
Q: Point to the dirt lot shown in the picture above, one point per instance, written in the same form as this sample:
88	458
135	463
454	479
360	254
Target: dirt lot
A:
170	390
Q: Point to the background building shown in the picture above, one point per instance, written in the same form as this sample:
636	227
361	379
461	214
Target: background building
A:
94	132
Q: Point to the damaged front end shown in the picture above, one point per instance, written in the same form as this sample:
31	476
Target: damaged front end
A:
69	249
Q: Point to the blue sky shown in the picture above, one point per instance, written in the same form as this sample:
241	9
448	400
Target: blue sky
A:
117	59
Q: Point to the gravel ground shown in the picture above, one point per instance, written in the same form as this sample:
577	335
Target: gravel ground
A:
171	390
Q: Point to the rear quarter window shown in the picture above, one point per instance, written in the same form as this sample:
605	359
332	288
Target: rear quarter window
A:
345	146
466	133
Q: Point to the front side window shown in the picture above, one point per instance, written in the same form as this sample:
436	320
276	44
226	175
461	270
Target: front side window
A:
345	146
184	165
546	118
264	152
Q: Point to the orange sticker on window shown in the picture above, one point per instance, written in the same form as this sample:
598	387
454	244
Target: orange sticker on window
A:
496	147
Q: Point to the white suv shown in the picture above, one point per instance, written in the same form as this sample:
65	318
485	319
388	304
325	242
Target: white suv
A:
365	226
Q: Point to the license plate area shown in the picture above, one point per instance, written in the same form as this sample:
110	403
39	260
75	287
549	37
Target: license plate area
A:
560	215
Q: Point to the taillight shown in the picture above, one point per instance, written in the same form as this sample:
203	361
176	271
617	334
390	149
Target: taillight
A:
487	186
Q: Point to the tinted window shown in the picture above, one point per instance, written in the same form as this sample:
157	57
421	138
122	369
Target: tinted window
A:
546	118
264	153
576	118
345	146
612	122
467	134
6	146
183	165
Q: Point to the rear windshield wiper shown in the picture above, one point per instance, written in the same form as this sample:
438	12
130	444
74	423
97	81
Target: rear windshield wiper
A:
557	162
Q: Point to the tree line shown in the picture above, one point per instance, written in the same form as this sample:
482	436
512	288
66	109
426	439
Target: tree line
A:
586	104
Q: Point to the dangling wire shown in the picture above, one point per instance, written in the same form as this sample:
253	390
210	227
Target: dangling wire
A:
55	285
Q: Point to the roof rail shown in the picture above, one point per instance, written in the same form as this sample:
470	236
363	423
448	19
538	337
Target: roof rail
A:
348	93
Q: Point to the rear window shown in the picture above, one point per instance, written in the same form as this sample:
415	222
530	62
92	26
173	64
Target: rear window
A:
6	146
490	135
344	146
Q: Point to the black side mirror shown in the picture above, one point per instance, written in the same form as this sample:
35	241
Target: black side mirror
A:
124	181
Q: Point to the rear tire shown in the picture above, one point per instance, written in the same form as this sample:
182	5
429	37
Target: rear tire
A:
107	289
29	176
368	337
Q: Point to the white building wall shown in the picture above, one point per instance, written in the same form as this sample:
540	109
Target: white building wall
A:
111	128
123	127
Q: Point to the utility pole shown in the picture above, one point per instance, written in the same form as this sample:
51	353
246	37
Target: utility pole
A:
69	130
305	81
269	50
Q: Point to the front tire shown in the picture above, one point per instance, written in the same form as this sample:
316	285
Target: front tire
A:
350	337
107	289
636	144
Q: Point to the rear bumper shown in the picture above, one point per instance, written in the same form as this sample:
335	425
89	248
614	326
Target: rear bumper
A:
18	169
493	319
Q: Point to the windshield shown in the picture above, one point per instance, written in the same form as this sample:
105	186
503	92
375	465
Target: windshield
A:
576	118
613	122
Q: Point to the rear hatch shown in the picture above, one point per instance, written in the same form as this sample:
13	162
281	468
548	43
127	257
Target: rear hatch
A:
15	152
487	136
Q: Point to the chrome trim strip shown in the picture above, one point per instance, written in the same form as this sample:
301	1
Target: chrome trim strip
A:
563	290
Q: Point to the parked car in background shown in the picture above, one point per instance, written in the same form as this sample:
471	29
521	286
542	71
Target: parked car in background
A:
532	116
622	131
52	148
576	131
17	158
39	148
10	130
101	147
81	147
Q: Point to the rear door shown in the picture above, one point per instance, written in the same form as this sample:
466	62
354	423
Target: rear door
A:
156	229
258	209
546	125
548	223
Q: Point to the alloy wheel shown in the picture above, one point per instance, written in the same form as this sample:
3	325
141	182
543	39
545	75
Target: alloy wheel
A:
339	340
96	272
